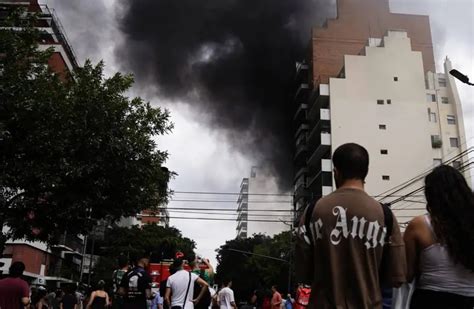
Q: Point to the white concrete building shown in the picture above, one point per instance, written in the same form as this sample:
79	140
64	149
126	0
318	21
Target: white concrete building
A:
260	209
408	121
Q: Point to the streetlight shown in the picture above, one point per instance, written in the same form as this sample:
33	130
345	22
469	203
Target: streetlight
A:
463	78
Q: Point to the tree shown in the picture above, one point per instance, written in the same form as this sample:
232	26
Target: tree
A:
162	242
252	272
73	150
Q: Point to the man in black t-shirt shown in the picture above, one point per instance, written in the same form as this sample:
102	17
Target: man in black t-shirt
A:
136	285
69	300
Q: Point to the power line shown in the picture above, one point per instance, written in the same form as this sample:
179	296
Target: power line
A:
236	193
223	209
225	219
230	193
421	175
229	214
229	201
461	169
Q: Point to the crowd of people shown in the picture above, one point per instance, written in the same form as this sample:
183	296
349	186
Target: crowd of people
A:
350	254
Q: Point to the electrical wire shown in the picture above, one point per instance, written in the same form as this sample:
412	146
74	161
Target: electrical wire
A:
228	214
229	201
225	219
461	169
223	209
418	177
230	193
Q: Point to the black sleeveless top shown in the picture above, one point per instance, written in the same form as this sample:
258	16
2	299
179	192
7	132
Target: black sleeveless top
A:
98	303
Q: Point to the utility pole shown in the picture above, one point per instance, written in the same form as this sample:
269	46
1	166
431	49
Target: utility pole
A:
82	260
91	256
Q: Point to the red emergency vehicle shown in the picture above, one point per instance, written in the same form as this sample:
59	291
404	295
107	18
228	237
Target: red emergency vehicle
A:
161	271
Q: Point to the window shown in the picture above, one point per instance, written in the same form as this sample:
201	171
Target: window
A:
444	100
437	162
395	79
389	101
385	177
436	141
454	142
427	84
430	97
457	164
380	102
383	151
432	116
382	127
451	119
442	82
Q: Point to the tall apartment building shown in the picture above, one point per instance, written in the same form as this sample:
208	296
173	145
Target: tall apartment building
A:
260	210
60	263
370	80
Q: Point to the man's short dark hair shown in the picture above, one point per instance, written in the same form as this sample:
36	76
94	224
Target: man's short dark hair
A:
226	281
351	161
177	263
16	269
122	261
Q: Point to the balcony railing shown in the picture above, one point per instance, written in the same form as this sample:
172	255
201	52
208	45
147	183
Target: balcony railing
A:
58	30
302	128
322	126
300	113
319	99
301	92
323	145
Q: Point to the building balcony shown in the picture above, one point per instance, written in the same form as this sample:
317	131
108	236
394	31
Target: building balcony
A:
301	172
301	150
243	198
300	114
242	216
322	126
244	185
301	93
320	184
320	97
301	68
317	114
323	143
301	129
300	192
242	207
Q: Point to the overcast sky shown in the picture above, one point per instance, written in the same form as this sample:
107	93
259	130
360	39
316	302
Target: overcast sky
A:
201	156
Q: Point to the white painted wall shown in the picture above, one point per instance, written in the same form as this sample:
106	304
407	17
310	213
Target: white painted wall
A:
356	116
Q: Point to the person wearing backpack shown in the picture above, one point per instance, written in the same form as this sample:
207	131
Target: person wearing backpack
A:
344	246
117	276
136	285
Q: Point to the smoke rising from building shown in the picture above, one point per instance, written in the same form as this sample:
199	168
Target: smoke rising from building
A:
233	60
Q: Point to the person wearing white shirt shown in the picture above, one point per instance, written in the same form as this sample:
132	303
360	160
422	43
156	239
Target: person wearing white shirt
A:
180	288
226	296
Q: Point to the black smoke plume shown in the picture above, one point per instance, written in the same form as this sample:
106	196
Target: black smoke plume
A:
234	60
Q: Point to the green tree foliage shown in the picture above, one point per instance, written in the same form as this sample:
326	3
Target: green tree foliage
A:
72	150
161	242
252	272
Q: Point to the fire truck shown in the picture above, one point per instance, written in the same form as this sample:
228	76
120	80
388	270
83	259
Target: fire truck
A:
161	271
